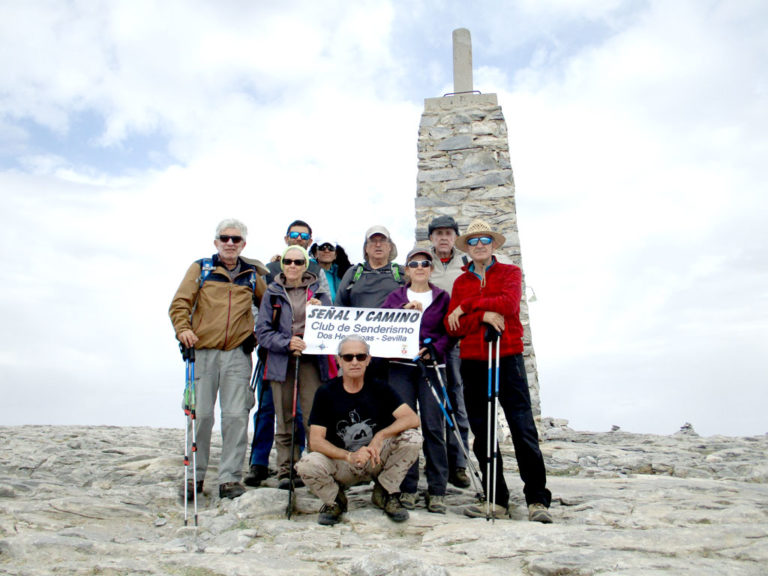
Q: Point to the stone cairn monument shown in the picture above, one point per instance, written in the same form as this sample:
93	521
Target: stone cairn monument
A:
465	172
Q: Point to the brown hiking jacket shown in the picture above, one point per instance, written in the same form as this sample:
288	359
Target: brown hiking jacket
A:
220	312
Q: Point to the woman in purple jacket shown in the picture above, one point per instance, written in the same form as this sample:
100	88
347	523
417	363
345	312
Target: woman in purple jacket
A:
279	330
407	378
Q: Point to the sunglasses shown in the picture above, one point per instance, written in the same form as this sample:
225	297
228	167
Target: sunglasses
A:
225	238
484	240
327	248
417	263
302	235
349	357
297	262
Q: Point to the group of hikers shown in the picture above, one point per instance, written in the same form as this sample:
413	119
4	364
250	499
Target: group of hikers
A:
362	418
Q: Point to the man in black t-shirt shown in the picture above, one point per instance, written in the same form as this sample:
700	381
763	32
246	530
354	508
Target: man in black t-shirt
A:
359	429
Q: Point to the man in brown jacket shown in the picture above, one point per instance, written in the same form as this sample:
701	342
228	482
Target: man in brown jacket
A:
211	312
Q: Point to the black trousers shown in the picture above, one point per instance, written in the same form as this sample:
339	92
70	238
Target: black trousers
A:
515	401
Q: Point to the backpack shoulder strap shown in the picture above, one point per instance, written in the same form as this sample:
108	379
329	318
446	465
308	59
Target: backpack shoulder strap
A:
356	277
395	271
206	267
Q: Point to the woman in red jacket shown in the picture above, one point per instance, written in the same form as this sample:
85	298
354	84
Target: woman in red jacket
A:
487	296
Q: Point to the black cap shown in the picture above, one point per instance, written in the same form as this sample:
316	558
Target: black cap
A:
443	222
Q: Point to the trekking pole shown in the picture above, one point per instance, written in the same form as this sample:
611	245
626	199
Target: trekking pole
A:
289	509
490	469
496	455
450	416
257	386
488	436
186	435
188	354
425	375
256	377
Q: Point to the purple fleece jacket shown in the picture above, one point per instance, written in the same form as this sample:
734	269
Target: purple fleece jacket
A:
431	320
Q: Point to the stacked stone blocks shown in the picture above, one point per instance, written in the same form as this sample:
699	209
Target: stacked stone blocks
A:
465	172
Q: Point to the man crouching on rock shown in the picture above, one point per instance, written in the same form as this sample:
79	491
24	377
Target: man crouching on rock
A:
359	429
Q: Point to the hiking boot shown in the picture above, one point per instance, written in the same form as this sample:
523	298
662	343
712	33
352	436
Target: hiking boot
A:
191	489
394	509
257	475
231	490
539	513
379	495
331	514
284	482
458	477
435	504
408	500
479	511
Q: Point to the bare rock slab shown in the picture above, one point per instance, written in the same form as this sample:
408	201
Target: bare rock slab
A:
102	500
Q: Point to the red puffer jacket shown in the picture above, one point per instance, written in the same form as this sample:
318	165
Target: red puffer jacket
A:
501	293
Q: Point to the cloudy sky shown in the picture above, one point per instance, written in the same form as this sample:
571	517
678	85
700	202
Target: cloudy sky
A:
638	132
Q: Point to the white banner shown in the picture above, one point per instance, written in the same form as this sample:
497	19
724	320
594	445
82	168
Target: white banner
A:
389	333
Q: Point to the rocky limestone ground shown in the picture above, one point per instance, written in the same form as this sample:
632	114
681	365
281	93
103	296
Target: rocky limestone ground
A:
104	500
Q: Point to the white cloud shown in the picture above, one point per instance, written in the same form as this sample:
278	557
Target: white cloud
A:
635	162
637	135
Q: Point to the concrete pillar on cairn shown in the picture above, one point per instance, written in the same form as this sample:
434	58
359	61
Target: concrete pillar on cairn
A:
465	172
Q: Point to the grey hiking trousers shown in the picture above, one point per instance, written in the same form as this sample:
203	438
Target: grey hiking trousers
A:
225	374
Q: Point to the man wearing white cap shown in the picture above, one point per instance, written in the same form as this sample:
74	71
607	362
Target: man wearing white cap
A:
368	284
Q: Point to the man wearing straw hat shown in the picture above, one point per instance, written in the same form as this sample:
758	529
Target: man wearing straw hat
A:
486	297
